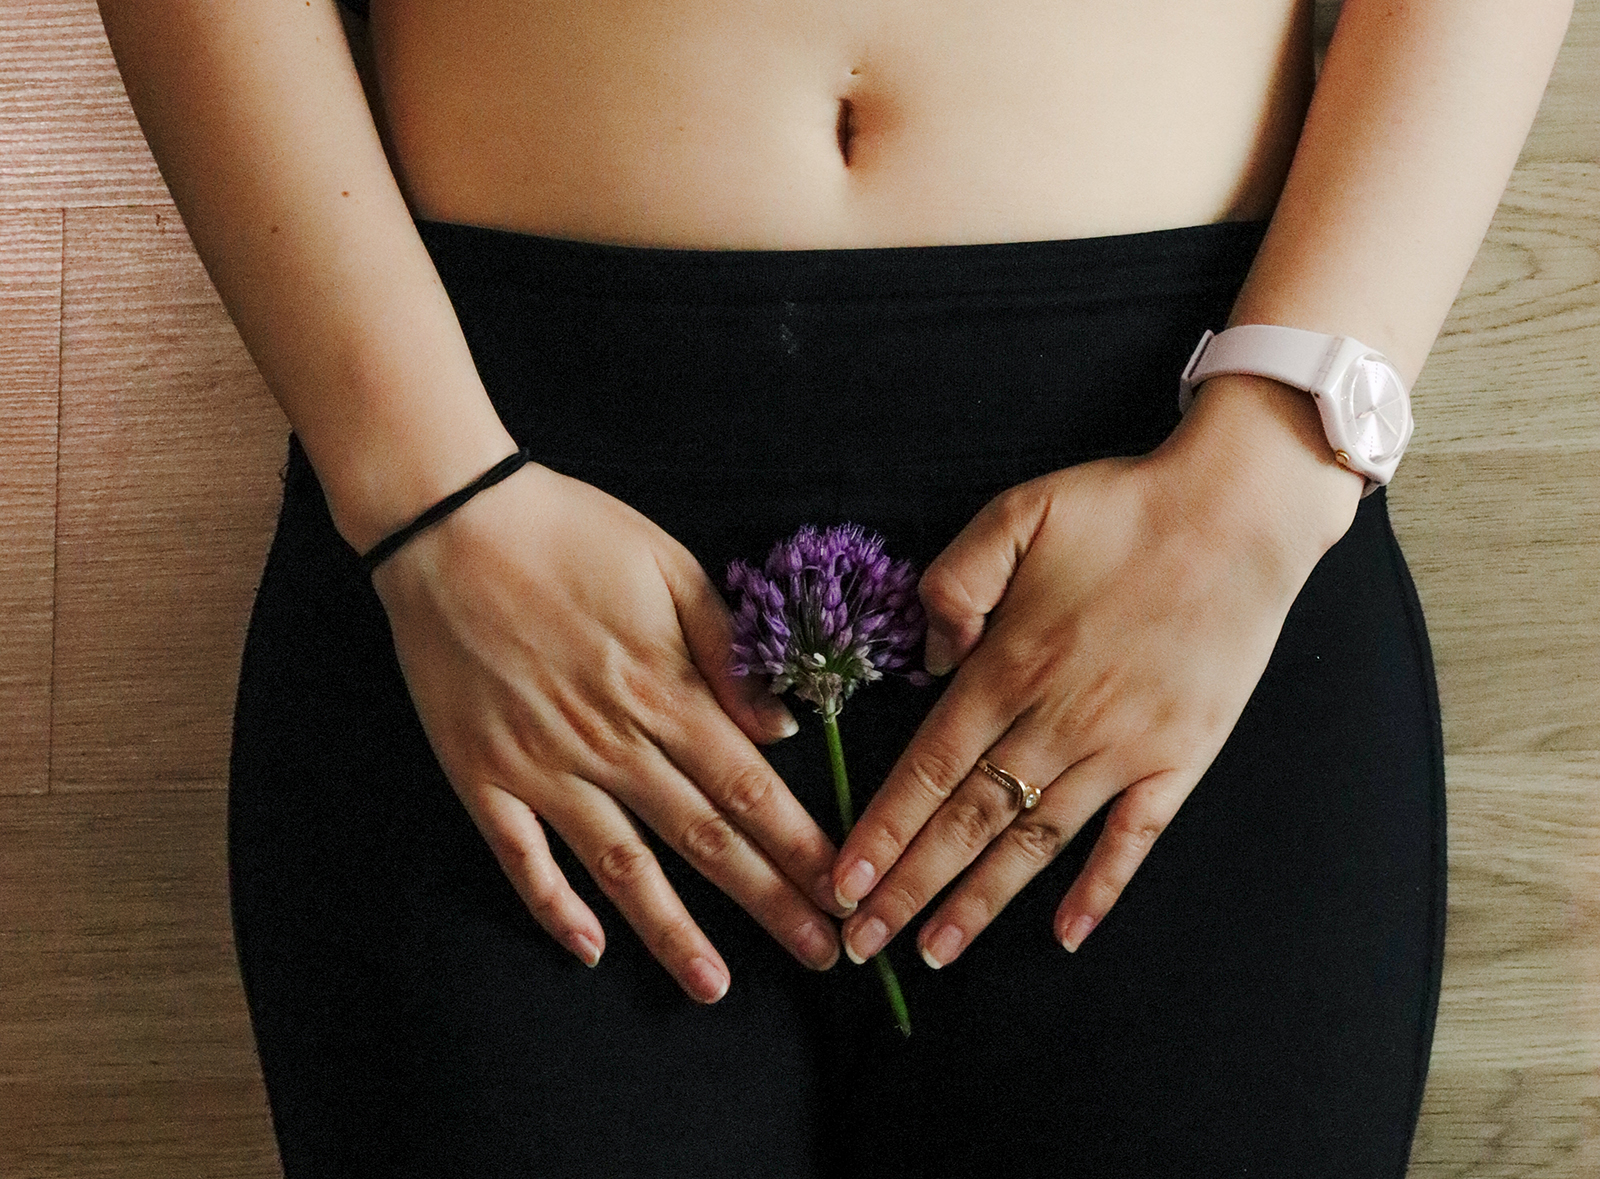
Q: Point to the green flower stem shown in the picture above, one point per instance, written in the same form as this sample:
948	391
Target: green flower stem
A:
847	813
891	988
841	780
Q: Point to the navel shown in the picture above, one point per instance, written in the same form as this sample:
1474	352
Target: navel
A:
845	129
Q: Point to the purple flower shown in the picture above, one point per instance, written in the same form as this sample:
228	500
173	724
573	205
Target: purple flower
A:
827	613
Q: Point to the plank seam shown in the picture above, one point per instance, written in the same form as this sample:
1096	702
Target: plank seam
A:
55	515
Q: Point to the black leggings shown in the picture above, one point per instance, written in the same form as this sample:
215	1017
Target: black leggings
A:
1261	1000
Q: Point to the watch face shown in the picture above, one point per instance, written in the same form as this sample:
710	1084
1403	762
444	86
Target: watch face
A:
1380	410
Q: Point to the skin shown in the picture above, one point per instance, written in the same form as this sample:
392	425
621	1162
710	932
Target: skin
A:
1418	117
711	124
714	123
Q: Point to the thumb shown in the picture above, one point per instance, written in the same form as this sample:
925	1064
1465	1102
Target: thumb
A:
966	581
708	632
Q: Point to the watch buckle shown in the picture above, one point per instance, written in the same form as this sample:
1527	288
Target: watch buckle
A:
1185	384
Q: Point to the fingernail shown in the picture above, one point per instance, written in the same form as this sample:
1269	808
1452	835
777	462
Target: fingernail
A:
942	946
818	948
706	982
585	949
827	898
936	653
856	884
868	940
779	721
1076	932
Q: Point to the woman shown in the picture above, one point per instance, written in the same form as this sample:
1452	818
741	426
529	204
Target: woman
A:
725	270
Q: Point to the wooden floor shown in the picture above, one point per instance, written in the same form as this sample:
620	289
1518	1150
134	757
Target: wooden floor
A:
137	488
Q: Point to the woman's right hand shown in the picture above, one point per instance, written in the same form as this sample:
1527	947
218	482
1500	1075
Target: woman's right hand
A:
569	661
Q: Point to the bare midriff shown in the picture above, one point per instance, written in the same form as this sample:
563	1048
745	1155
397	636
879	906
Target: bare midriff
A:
791	124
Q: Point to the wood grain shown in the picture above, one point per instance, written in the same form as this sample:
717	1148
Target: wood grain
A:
1502	544
136	1130
30	310
1502	1123
67	134
1514	1087
1518	362
124	1045
170	449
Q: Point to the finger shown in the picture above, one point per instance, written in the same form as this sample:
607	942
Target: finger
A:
966	581
717	849
708	751
1027	845
964	722
1139	815
513	833
979	810
708	631
627	871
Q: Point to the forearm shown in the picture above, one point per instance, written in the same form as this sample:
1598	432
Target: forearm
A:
1417	121
257	119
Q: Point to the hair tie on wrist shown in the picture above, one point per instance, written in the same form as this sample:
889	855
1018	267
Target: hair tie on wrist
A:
385	548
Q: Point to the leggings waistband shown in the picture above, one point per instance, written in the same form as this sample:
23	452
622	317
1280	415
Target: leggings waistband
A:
904	385
1161	262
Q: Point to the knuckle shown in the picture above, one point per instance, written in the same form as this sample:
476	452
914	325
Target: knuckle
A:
508	849
534	874
1013	508
941	594
974	909
605	737
543	897
974	821
898	903
654	688
747	790
1100	893
1039	839
673	938
624	866
1033	662
711	840
1132	833
935	772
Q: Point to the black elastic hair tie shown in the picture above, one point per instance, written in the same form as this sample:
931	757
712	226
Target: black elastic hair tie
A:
385	548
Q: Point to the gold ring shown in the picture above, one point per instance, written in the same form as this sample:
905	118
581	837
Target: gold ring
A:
1027	796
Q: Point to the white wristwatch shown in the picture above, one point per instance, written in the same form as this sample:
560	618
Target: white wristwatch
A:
1365	408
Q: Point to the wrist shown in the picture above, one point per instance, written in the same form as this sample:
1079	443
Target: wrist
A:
1254	449
384	473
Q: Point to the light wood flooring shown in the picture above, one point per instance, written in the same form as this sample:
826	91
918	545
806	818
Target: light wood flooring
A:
138	480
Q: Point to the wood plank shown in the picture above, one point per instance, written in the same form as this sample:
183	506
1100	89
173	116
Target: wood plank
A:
170	449
124	1044
67	134
1514	1087
1503	548
30	373
1518	361
1507	1124
137	1130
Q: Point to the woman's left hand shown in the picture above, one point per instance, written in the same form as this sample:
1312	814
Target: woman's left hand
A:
1109	622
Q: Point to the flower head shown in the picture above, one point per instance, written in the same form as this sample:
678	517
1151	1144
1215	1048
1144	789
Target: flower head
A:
827	613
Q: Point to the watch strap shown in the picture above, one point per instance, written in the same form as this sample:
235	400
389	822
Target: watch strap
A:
1291	355
1321	365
